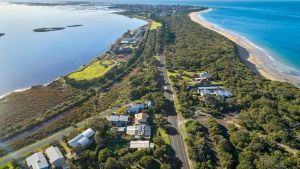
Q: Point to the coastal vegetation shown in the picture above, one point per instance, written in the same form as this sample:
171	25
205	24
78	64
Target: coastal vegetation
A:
24	110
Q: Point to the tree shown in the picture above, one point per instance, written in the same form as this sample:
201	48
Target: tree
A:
111	163
165	166
104	154
148	162
100	141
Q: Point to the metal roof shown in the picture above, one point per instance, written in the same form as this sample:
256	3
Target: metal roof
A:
141	144
37	161
54	154
113	118
123	118
88	133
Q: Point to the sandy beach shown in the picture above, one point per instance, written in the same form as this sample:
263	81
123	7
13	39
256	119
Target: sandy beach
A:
256	58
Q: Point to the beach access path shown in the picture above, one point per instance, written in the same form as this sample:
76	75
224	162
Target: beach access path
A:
256	59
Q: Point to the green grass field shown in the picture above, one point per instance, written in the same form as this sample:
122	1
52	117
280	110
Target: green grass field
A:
154	25
164	135
95	70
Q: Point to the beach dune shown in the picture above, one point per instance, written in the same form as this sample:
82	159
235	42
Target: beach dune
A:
257	59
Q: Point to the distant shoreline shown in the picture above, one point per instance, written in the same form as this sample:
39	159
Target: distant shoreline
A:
256	58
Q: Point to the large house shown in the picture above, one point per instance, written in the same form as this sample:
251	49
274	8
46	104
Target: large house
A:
37	161
84	139
134	109
141	118
141	144
139	131
118	121
214	90
55	157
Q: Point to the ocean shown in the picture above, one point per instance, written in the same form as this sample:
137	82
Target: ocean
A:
273	26
29	58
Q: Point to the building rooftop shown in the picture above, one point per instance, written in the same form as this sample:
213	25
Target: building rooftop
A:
113	118
82	138
123	118
54	154
209	88
141	144
37	161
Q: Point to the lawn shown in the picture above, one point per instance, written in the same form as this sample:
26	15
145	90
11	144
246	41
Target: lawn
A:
172	73
95	70
154	25
164	135
187	78
116	145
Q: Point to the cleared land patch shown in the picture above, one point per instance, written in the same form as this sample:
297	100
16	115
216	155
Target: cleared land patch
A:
154	25
95	70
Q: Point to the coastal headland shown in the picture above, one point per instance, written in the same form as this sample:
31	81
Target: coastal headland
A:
2	34
258	60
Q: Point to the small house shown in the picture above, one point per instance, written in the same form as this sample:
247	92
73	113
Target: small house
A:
135	108
203	75
141	144
141	118
56	158
37	161
118	121
84	139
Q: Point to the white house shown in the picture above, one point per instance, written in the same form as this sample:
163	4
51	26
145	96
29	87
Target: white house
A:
139	131
37	161
84	139
55	157
141	144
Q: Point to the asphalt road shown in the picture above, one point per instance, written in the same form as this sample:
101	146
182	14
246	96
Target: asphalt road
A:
176	138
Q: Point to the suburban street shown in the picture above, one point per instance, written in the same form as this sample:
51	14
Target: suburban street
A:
176	138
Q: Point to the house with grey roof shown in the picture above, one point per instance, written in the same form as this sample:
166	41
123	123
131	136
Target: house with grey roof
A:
56	158
141	144
118	121
84	139
37	161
